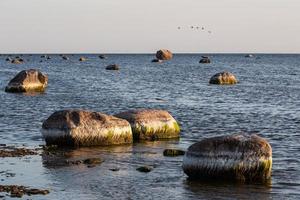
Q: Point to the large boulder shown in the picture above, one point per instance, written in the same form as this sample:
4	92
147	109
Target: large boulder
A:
85	128
223	78
31	80
236	157
164	54
151	124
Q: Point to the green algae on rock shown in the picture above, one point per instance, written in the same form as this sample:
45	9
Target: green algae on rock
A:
85	128
223	78
30	80
150	124
246	158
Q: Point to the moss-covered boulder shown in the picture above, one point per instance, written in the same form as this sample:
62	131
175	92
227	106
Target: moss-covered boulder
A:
150	124
223	78
85	128
31	80
246	158
164	54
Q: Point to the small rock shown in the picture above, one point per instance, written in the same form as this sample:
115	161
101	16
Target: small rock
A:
114	169
92	161
81	59
112	67
102	57
173	152
144	169
156	61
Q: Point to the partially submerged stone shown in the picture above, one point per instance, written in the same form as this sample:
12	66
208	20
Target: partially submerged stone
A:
17	61
164	54
205	60
102	57
113	67
240	157
156	61
31	80
85	128
82	59
144	169
223	78
150	124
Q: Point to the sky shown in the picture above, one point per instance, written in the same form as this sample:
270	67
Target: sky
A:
143	26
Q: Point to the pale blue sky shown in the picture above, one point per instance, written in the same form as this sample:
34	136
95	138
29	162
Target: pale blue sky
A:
139	26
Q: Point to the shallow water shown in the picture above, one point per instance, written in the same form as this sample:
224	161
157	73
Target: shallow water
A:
266	101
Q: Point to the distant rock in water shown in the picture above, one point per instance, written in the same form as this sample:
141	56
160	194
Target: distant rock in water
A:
102	57
85	128
223	78
150	124
249	56
31	80
81	59
65	57
112	67
236	157
205	60
17	61
164	54
156	61
144	169
8	59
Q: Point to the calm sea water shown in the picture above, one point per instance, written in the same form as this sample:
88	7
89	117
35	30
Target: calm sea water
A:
266	101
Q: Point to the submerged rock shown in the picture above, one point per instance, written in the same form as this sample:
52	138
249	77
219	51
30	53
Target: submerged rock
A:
164	54
31	80
173	152
150	124
144	169
112	67
236	157
205	60
223	78
84	128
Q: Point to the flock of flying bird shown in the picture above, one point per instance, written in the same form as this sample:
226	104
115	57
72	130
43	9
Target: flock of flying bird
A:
195	28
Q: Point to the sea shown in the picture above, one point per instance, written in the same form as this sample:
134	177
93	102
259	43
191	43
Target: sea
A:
266	101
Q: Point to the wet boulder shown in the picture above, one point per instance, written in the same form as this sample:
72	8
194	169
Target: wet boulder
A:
223	78
31	80
164	54
85	128
112	67
205	60
249	56
239	157
8	59
150	124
